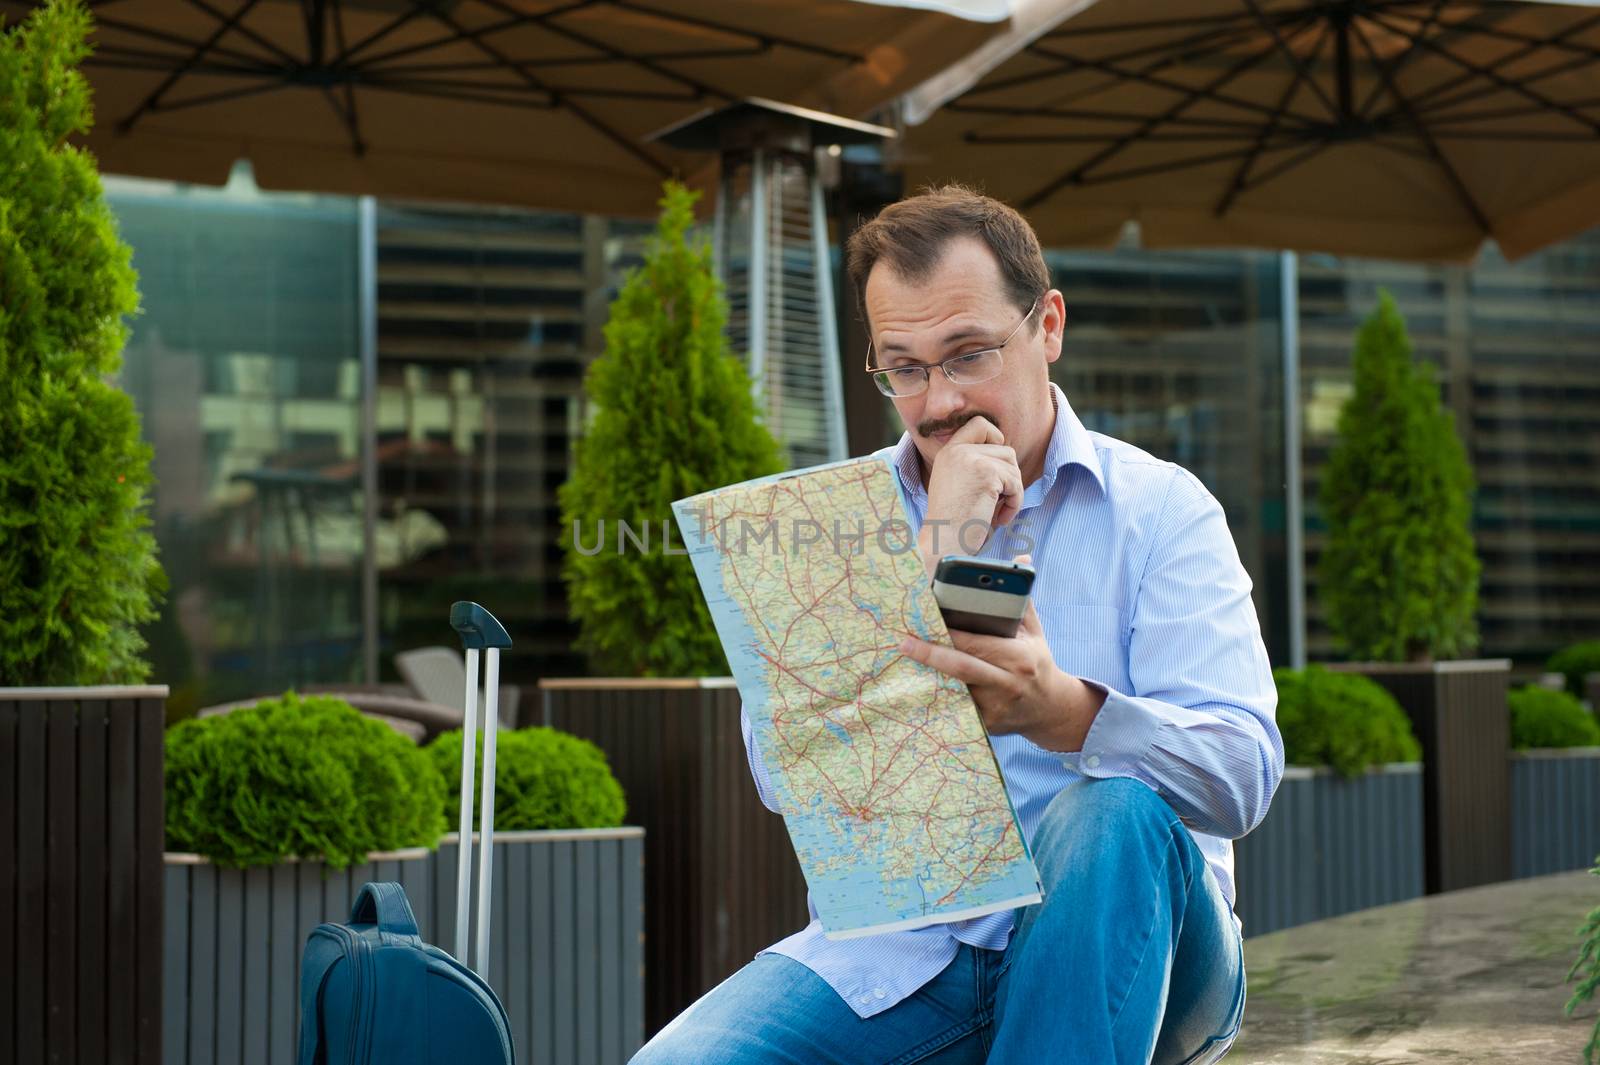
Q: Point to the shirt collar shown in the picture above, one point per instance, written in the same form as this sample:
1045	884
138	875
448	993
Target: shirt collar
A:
1070	445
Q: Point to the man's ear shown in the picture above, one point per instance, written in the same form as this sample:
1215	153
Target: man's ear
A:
1053	320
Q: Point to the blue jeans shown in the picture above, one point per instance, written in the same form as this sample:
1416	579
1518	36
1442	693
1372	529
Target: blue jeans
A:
1132	957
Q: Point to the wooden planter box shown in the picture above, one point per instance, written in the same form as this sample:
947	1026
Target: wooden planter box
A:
81	833
1459	713
1555	810
1330	845
565	961
724	882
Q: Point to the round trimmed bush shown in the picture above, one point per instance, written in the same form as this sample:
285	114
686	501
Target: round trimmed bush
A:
1577	662
1544	718
1343	720
307	777
543	779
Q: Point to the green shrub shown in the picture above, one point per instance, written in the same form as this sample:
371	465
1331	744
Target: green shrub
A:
543	779
673	417
301	777
1577	662
1343	720
1544	718
1399	575
78	570
1586	970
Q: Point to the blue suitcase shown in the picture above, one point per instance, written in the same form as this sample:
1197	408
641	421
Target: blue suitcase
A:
371	991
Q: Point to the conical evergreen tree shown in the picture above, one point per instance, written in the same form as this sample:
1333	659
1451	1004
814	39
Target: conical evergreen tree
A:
1399	576
78	571
673	416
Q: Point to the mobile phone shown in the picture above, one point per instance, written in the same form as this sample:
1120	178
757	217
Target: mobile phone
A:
982	595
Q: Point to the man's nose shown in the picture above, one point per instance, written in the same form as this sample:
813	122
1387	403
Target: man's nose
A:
945	397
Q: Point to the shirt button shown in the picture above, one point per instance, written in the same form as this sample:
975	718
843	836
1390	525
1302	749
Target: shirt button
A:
877	992
1093	761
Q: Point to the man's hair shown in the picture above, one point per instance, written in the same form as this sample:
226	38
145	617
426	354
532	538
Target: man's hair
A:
911	236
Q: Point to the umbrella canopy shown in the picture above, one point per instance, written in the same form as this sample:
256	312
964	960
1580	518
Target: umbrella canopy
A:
1406	129
533	102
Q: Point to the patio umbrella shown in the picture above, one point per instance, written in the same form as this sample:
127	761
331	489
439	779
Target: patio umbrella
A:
533	102
1407	129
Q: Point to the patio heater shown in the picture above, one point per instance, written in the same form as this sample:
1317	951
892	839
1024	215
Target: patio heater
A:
770	243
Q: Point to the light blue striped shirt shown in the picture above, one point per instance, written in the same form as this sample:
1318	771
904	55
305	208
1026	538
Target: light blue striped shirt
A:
1139	591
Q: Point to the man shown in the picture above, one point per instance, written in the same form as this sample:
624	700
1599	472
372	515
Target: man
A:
1132	713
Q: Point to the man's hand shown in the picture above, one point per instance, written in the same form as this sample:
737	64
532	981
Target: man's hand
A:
975	477
1016	683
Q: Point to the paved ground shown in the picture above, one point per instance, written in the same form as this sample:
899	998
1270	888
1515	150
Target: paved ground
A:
1473	976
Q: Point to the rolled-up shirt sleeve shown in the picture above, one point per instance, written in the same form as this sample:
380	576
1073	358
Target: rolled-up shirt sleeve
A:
758	768
1198	726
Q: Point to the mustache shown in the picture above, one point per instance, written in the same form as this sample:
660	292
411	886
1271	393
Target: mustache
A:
954	422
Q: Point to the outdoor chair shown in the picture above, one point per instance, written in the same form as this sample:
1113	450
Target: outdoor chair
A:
416	719
439	675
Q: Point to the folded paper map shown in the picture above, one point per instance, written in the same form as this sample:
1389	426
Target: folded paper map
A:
881	766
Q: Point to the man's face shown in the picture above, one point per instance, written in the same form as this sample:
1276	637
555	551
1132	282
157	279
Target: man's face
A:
960	308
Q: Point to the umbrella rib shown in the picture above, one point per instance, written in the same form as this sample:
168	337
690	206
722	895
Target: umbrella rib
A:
1460	186
1101	138
106	55
1537	43
701	88
1485	72
735	31
222	96
571	61
1365	110
1428	94
1305	155
417	9
1172	167
352	118
1491	135
1302	72
174	39
153	101
1482	91
1214	40
1171	86
429	89
1073	115
244	30
582	113
1078	174
1508	112
1145	27
1241	176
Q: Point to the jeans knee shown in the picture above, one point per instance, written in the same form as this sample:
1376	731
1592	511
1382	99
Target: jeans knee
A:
1108	800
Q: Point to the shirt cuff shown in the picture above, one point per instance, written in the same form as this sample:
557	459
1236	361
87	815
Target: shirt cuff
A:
1119	739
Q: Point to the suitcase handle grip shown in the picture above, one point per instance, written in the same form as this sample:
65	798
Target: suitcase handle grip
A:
478	629
386	906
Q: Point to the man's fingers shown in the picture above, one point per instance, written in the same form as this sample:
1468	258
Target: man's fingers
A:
978	431
952	663
1030	621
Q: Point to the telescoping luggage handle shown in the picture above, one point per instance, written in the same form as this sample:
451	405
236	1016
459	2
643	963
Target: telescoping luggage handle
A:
479	631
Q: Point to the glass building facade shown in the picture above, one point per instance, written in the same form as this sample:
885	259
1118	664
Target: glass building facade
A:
247	366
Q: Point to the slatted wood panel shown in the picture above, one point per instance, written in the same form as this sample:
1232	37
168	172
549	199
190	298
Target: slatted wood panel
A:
566	958
81	909
1329	846
723	882
1458	712
1555	811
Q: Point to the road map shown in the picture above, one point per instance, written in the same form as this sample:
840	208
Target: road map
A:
882	768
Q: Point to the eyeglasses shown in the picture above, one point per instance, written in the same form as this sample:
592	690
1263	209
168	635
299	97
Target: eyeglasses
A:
973	368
